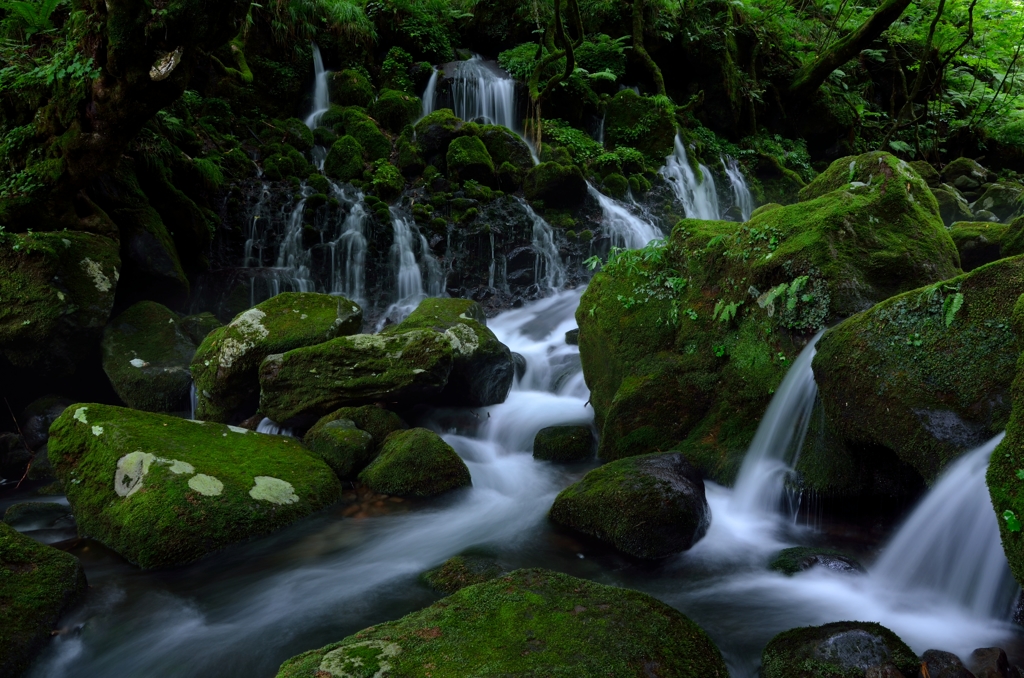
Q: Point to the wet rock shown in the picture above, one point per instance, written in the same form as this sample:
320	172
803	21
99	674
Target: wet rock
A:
350	88
416	463
1003	200
377	421
991	662
556	185
394	110
979	242
564	444
345	448
146	356
838	650
37	515
883	671
926	172
468	159
38	585
38	416
572	337
41	468
56	294
344	160
953	207
651	506
461	571
965	174
165	491
519	360
504	146
226	365
435	132
985	215
801	558
528	623
943	665
904	375
199	325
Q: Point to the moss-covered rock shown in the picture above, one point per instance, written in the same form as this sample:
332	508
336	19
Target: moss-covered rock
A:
978	242
344	160
906	374
504	145
297	134
56	295
482	369
616	185
468	159
683	343
801	558
345	448
146	356
643	123
458	572
37	515
375	145
416	463
1005	200
966	174
953	207
350	88
564	444
165	491
925	170
300	386
376	421
226	365
394	110
526	623
38	584
651	506
199	325
556	185
837	650
435	132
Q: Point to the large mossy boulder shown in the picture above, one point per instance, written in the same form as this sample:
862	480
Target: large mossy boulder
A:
38	584
468	159
344	447
226	365
837	650
461	571
504	145
652	506
376	421
555	185
482	369
965	174
435	132
350	88
684	343
925	374
146	355
416	463
56	295
526	623
978	242
643	123
164	491
345	160
305	384
394	110
565	444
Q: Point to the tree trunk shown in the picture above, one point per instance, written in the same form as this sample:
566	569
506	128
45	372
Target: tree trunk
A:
640	51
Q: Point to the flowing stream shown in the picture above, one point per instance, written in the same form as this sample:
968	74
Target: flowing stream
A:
696	194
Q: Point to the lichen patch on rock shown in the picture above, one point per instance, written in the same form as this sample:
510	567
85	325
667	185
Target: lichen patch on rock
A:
359	659
95	271
274	490
205	485
131	469
80	415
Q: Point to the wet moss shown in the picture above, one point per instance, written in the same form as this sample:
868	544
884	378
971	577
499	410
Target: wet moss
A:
556	185
459	572
564	443
345	448
164	491
800	558
351	88
38	584
468	159
376	421
394	110
416	463
978	242
527	623
837	650
345	159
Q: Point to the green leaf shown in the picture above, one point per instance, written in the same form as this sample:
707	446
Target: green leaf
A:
1012	522
950	307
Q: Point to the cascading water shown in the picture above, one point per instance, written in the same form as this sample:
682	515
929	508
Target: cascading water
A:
348	252
950	545
743	201
698	197
623	227
549	271
773	453
414	280
429	94
480	90
321	92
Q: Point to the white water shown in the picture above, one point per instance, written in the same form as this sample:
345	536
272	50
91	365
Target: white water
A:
321	93
348	251
479	89
625	229
429	94
549	270
742	199
698	197
414	280
271	427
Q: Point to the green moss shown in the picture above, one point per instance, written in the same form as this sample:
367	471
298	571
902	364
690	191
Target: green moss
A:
345	448
165	491
644	123
435	132
837	650
376	421
345	159
410	162
226	364
38	584
394	110
468	159
905	374
376	146
199	325
978	242
1013	241
649	506
459	572
297	134
319	183
146	354
556	185
503	145
387	181
417	463
528	623
616	185
351	88
564	443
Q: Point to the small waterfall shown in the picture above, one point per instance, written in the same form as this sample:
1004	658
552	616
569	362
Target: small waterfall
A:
950	544
410	274
773	453
480	90
549	271
429	94
625	228
321	93
742	199
600	129
257	233
698	197
193	400
348	252
271	427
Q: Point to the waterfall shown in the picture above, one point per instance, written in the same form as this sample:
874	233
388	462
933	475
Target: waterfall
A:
429	93
549	271
773	453
625	229
480	90
193	400
321	93
950	544
600	129
348	252
410	274
697	196
271	427
742	199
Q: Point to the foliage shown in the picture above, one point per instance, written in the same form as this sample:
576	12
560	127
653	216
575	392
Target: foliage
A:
299	21
579	144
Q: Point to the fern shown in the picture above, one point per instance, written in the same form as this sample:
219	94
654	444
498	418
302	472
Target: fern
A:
951	306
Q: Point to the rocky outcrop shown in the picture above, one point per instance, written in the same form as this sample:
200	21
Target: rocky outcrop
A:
838	650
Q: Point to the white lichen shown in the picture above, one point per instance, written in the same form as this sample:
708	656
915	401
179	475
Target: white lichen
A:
179	467
137	362
238	429
362	341
95	271
248	329
97	430
131	469
165	65
274	490
463	339
80	415
343	663
208	486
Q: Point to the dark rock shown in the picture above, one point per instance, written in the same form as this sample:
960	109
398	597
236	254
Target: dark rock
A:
199	325
37	515
556	185
800	558
38	416
461	571
572	337
943	665
565	443
1003	200
520	364
991	662
14	457
953	207
837	650
345	448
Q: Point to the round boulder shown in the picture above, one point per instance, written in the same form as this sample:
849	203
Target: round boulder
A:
416	463
345	448
801	558
837	650
564	443
650	506
943	665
